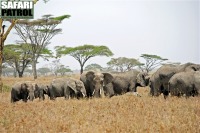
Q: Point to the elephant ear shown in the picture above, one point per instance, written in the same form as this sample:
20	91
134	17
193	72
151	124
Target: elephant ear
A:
90	76
72	85
195	67
46	89
108	78
36	86
78	83
23	87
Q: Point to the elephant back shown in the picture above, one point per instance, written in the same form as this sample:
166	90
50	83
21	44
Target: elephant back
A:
188	67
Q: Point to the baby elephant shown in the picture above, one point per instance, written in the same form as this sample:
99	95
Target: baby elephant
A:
66	87
22	91
40	90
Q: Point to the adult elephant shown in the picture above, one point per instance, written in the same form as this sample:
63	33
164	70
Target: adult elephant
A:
94	82
126	82
22	91
159	80
185	83
66	87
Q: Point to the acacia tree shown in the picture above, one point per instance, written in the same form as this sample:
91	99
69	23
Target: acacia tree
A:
63	69
54	66
43	70
17	56
93	66
83	53
123	64
39	33
152	61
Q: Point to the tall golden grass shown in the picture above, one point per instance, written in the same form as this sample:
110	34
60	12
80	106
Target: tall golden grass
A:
126	113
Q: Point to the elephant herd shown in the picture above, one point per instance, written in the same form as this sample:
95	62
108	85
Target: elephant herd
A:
91	84
176	80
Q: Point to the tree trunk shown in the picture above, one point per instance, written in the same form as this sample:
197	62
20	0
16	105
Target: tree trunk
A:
20	74
1	62
15	73
34	69
81	71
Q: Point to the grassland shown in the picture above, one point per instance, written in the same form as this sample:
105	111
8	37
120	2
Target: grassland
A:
126	114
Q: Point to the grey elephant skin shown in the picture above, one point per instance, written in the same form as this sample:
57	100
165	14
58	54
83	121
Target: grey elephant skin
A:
185	83
126	82
40	91
159	80
66	87
94	82
22	91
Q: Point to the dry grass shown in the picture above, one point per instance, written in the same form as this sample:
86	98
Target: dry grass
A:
126	113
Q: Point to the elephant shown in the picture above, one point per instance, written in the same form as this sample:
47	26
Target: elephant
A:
22	91
185	83
40	91
126	82
94	82
66	87
158	82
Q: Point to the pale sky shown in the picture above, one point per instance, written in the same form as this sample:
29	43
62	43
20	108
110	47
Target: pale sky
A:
168	28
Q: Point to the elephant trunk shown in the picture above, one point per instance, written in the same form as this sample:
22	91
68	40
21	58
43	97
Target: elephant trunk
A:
96	92
83	92
41	97
102	95
31	96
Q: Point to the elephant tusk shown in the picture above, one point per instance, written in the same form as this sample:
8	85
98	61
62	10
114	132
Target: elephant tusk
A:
83	94
93	92
102	92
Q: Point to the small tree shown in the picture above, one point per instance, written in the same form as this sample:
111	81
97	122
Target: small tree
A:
83	53
17	56
152	61
43	70
63	69
123	64
56	67
93	67
7	71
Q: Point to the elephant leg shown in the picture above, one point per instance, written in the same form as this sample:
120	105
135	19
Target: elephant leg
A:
165	91
132	87
151	89
24	97
157	89
67	93
109	90
51	95
13	96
